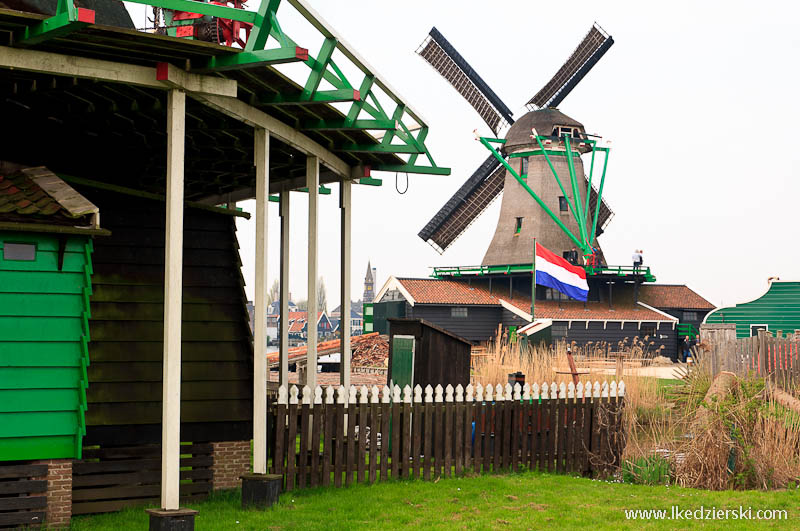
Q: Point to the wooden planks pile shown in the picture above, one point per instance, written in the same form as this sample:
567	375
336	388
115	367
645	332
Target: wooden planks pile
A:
110	479
366	435
23	494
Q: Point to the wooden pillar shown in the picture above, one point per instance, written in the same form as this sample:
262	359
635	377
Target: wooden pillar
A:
173	295
345	201
260	335
284	321
312	183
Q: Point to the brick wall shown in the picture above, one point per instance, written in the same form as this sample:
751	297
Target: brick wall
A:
231	460
59	492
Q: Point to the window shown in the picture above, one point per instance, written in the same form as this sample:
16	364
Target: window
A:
754	328
524	167
690	316
563	206
459	312
559	330
19	251
647	331
518	226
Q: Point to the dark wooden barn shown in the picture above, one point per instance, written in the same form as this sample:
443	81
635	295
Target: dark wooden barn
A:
421	353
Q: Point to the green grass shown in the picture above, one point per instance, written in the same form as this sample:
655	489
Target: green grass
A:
514	501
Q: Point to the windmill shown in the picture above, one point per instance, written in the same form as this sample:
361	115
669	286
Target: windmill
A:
531	165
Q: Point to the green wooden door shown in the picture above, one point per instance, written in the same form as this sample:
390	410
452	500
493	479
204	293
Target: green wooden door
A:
403	360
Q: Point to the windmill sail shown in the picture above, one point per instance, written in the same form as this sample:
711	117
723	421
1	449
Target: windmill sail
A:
605	214
589	51
441	55
465	206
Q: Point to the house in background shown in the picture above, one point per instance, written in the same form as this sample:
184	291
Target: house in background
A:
356	321
298	326
476	310
777	311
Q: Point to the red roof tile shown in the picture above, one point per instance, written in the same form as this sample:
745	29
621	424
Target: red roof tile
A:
575	311
673	296
433	291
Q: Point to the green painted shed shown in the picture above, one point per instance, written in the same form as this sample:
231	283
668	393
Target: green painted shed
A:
777	310
46	231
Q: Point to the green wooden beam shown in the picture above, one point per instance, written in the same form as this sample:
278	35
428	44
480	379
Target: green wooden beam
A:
336	125
321	96
355	109
369	181
408	168
319	68
244	60
379	148
67	19
206	9
264	23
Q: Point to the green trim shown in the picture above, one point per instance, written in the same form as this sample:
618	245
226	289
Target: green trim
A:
321	96
264	23
541	152
507	269
369	181
379	148
59	25
319	67
407	168
203	8
600	195
343	125
254	59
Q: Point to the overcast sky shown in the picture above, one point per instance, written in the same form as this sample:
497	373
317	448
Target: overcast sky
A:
699	99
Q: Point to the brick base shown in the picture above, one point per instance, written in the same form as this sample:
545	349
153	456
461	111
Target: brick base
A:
59	492
231	460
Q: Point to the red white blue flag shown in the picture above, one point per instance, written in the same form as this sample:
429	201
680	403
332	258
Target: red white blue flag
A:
555	272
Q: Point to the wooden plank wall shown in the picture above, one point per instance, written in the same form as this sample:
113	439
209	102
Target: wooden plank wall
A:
110	479
368	435
126	350
23	494
44	314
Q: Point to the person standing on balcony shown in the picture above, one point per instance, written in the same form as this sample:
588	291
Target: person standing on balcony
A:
637	260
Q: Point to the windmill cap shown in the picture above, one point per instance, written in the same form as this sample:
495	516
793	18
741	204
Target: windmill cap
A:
543	120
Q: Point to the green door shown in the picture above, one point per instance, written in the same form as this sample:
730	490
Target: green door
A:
403	360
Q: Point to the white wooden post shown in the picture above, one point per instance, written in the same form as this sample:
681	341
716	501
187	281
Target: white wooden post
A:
284	310
260	335
312	182
173	300
345	201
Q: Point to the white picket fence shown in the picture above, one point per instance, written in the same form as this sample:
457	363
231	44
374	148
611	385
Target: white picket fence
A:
477	393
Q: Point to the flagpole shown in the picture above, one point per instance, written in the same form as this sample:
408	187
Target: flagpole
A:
533	281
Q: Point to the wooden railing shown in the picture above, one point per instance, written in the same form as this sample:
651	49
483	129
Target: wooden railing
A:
772	357
368	435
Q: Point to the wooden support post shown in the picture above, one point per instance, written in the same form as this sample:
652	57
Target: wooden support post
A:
345	202
312	183
620	366
260	336
173	293
284	310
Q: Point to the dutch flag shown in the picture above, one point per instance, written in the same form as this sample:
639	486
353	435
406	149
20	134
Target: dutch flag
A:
555	272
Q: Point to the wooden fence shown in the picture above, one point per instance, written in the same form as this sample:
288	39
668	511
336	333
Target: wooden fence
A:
368	435
23	494
113	478
775	358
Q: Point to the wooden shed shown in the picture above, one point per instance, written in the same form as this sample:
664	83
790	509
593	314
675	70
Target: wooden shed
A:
421	353
46	231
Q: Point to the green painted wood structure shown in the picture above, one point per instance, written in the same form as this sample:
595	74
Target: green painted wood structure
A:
778	310
44	332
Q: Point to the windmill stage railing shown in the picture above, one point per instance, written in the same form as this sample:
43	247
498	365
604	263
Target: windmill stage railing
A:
364	435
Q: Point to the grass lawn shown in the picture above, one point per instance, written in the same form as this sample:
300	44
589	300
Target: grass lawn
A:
514	501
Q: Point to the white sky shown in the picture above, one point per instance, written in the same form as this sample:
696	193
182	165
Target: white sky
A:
699	99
